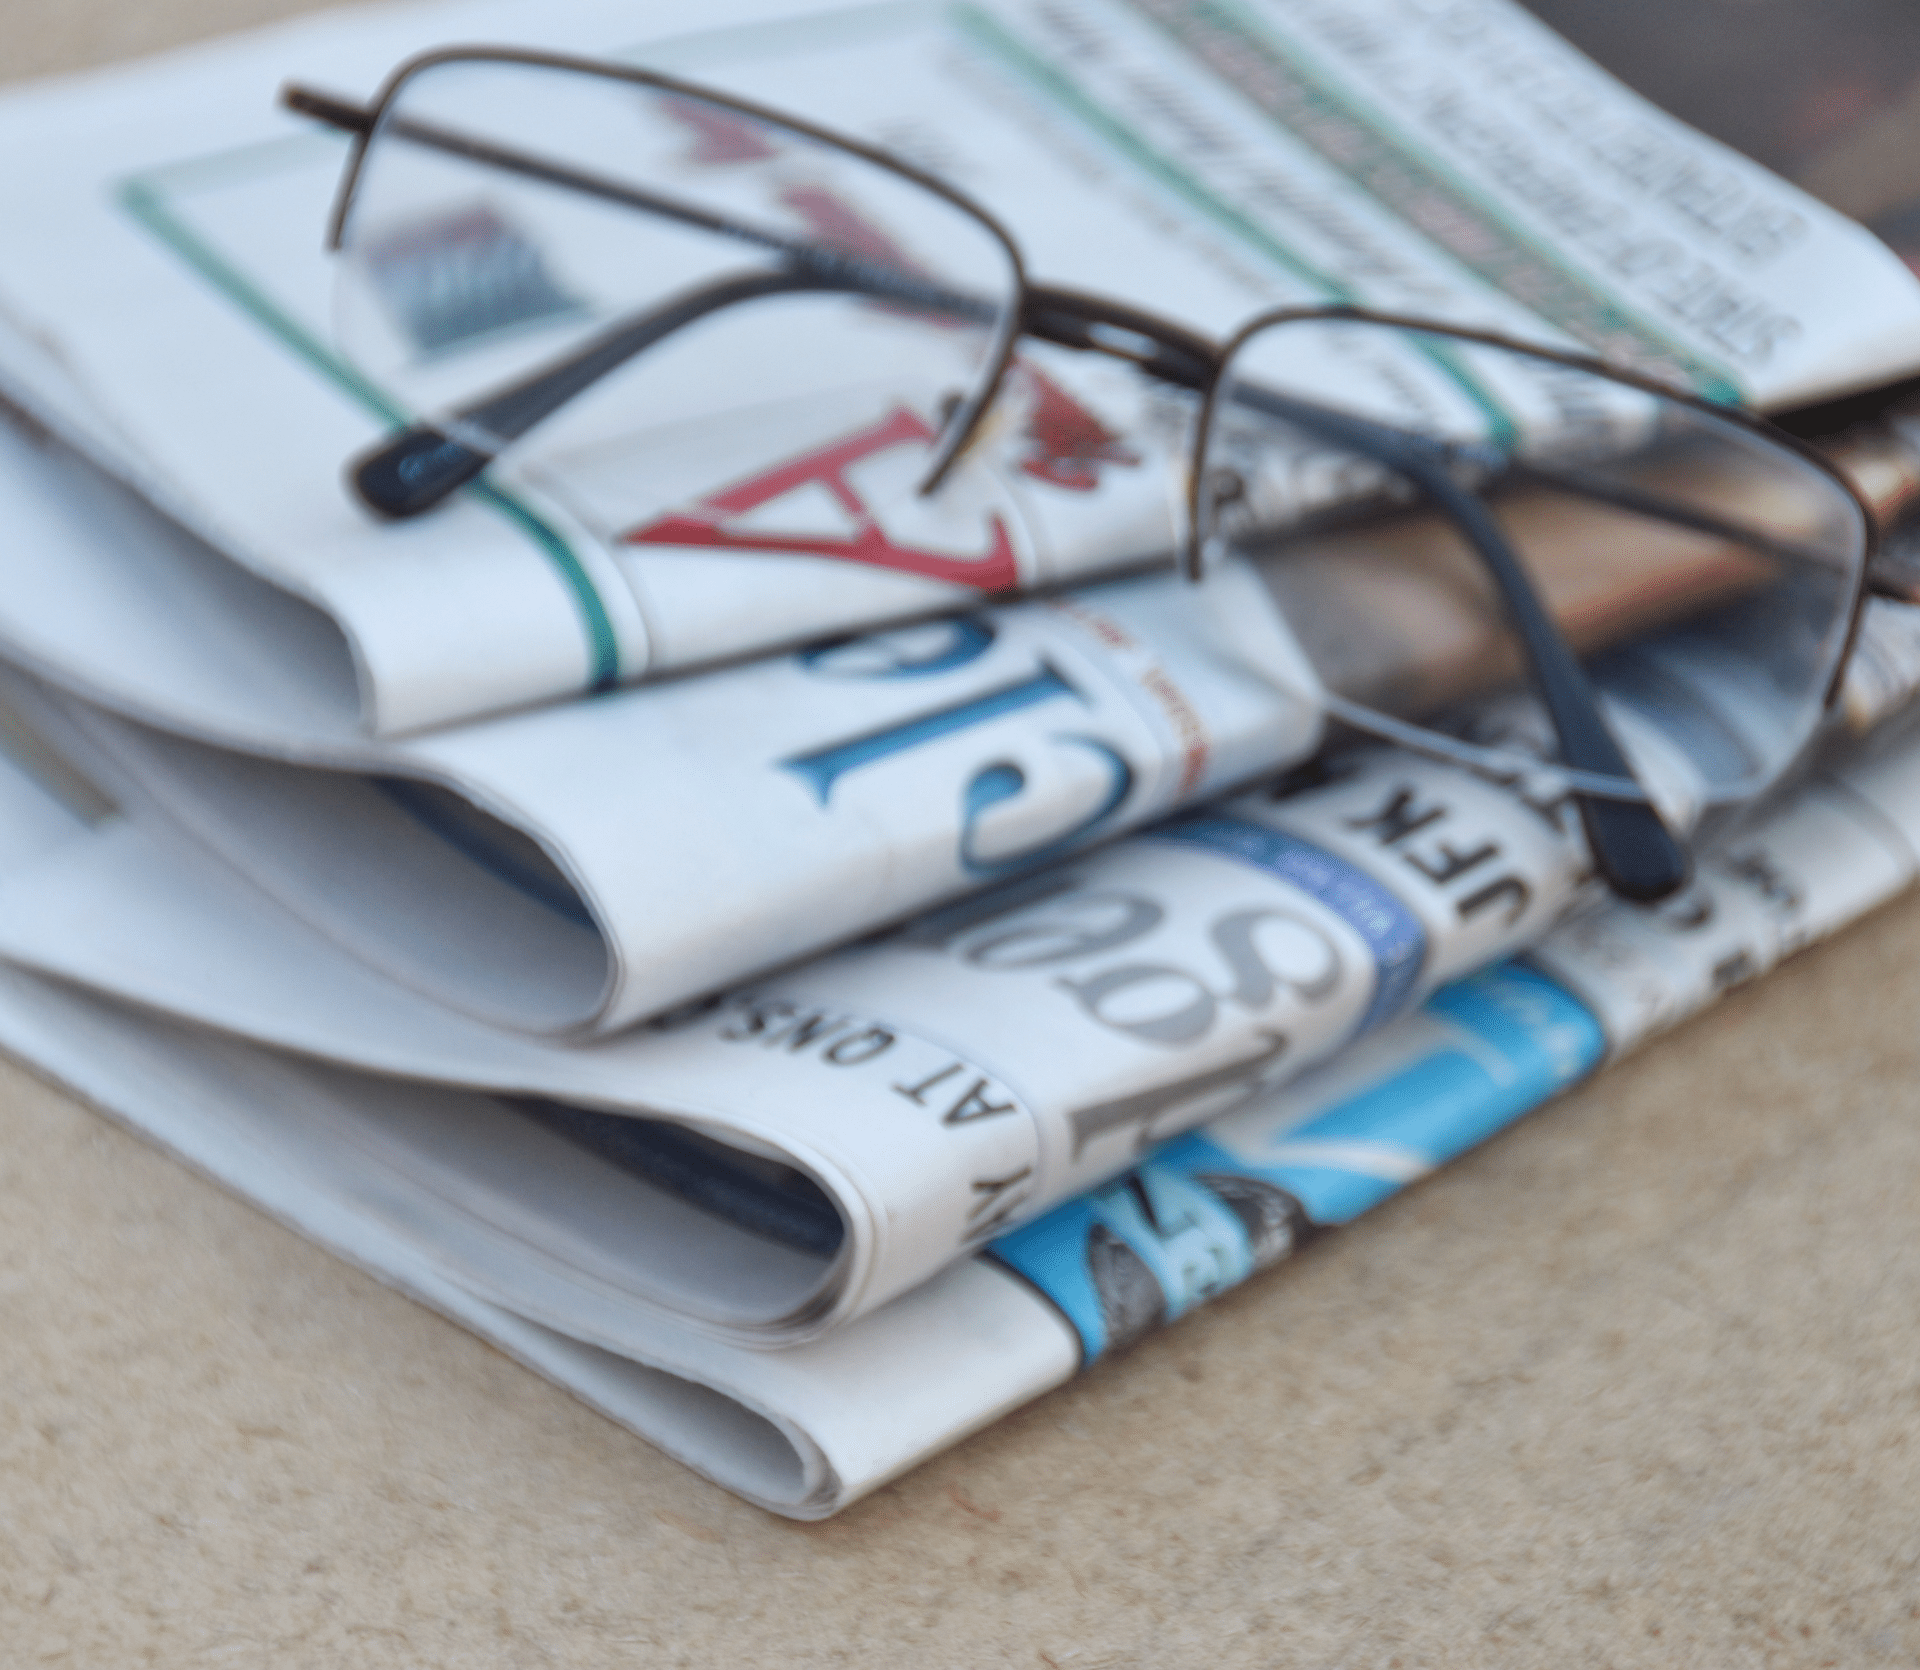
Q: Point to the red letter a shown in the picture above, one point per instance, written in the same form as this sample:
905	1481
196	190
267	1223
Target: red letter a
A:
994	570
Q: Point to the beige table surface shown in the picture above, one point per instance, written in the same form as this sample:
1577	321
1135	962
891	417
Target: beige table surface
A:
1637	1384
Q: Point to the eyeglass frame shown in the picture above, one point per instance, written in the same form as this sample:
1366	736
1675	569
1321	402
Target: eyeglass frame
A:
1624	836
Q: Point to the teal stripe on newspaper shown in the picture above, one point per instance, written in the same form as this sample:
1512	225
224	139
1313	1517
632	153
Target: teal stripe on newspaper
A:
144	204
1052	81
1207	1211
1417	187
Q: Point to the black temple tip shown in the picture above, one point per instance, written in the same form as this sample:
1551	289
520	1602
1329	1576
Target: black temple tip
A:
1633	850
414	471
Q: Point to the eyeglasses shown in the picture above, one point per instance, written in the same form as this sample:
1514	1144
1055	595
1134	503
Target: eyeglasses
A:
1494	551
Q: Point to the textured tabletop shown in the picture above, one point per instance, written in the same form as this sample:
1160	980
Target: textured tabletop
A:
1636	1384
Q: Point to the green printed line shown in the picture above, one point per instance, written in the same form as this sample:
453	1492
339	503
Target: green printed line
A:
605	649
988	34
737	43
1417	187
144	204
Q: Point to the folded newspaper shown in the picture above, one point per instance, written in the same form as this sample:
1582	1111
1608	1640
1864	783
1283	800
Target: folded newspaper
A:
164	305
416	1182
808	1230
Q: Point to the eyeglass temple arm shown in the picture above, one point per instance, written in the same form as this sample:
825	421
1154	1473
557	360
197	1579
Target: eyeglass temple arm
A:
421	466
1631	847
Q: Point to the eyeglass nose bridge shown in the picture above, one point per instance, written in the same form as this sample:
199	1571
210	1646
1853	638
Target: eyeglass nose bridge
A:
1168	353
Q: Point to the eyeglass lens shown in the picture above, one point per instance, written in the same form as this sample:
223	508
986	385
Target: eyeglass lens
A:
620	277
1701	574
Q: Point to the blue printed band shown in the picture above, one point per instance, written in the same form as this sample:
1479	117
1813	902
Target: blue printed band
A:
1206	1211
1392	932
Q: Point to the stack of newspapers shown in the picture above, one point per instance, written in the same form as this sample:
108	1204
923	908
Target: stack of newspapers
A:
740	956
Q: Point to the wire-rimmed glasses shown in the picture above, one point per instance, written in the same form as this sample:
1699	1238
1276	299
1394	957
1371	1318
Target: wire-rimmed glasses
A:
584	257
